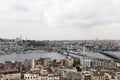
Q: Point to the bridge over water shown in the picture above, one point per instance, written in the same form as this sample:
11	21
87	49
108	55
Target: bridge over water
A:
77	55
110	55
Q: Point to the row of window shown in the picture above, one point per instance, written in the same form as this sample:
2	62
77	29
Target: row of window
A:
31	77
37	78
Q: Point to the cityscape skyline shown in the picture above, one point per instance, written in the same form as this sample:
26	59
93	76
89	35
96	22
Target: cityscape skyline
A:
60	19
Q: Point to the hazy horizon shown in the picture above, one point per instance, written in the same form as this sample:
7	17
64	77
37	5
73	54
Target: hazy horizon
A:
60	19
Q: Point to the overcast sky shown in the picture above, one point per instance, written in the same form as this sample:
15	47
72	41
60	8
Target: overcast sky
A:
60	19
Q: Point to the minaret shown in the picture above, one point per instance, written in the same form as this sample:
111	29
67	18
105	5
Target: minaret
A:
20	37
68	50
33	63
26	39
83	49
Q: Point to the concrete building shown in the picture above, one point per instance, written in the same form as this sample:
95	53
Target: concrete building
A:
74	76
12	74
29	76
63	63
85	62
69	61
117	76
65	73
42	74
44	61
85	75
48	61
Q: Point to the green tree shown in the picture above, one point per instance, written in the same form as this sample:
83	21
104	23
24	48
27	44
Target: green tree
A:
54	61
78	68
76	62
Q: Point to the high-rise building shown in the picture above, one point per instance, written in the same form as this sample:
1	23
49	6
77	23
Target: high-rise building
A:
85	62
69	61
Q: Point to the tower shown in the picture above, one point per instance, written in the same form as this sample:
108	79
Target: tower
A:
20	37
68	48
68	51
33	63
83	50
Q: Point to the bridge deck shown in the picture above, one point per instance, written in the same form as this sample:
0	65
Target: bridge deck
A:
110	55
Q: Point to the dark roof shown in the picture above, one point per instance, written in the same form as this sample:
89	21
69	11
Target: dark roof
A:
9	71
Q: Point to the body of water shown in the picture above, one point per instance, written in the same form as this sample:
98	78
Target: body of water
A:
21	57
98	55
53	55
93	55
116	53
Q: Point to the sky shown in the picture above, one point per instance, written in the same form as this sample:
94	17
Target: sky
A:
60	19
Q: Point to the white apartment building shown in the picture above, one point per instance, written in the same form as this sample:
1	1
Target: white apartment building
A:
29	76
70	61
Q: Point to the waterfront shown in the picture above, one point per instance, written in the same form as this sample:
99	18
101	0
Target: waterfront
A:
21	57
52	55
116	53
98	55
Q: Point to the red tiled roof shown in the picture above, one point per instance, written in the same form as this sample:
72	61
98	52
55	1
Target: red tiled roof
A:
43	75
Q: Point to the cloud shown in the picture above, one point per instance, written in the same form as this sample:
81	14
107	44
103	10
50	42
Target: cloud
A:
82	13
64	15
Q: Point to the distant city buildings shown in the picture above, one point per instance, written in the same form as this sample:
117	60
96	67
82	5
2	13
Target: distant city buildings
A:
83	67
32	69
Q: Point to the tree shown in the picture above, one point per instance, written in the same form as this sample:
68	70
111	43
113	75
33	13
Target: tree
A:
54	61
76	62
78	68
